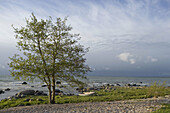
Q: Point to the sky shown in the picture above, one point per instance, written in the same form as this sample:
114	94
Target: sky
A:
126	37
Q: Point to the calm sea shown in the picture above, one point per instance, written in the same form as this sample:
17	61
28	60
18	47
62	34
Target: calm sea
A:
16	85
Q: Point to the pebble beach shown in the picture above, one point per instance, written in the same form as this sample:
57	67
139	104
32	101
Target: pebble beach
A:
127	106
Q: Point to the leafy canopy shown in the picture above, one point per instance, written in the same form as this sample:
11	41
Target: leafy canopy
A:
49	50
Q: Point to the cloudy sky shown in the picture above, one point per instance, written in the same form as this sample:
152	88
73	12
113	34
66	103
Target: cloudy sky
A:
126	37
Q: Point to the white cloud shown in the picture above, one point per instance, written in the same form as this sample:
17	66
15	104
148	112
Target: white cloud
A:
132	61
151	59
127	57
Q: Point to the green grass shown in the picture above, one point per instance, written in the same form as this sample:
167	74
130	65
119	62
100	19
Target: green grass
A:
120	93
164	109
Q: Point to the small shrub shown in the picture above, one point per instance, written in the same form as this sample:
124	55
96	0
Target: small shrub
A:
156	89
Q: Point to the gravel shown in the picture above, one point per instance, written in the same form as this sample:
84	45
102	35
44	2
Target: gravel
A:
128	106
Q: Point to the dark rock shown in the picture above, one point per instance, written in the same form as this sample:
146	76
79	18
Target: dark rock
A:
7	89
58	91
140	82
1	91
128	84
44	86
61	86
69	94
24	83
39	99
32	86
27	100
118	84
108	85
44	94
21	105
27	92
38	93
58	82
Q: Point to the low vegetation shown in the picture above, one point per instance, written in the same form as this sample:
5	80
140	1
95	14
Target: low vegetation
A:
117	93
164	109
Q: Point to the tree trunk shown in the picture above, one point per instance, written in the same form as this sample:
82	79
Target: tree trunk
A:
53	90
49	96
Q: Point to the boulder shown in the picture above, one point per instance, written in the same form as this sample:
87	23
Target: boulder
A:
1	91
39	99
44	86
58	82
7	89
24	83
58	91
27	92
118	85
39	93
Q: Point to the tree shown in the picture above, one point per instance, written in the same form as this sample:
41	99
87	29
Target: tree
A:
50	53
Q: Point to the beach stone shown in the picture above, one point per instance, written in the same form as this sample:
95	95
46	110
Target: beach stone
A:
38	92
30	100
24	83
27	100
39	99
58	91
118	84
27	92
58	82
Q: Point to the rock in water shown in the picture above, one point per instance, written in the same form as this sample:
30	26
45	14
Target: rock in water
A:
24	83
7	89
27	92
44	86
1	91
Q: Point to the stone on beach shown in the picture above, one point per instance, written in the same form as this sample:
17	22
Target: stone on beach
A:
27	92
87	94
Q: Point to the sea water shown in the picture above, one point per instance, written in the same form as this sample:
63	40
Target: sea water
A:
16	85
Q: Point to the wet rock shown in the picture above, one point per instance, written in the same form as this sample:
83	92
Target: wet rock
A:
1	91
7	89
24	83
58	82
58	91
118	84
27	92
44	86
38	93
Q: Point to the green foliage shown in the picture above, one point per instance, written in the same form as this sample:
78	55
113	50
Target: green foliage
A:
156	89
50	53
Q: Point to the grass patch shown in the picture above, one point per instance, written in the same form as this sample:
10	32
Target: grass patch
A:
121	93
164	109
